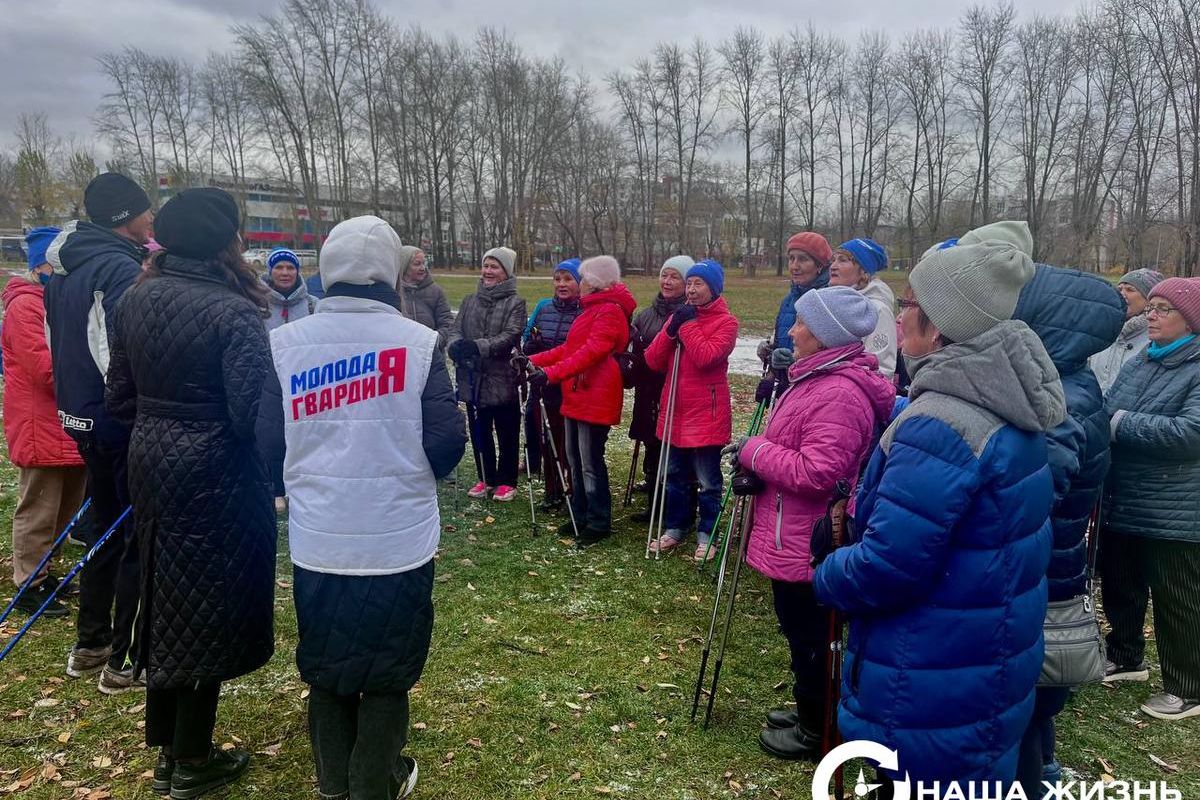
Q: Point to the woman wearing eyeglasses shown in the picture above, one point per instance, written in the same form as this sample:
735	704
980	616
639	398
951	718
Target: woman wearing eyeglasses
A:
1151	542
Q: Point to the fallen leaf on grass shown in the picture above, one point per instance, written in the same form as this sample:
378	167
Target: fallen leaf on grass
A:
666	686
420	726
660	735
602	790
489	519
490	620
575	777
147	775
574	706
50	773
64	737
476	743
1166	766
271	750
1106	779
100	762
47	702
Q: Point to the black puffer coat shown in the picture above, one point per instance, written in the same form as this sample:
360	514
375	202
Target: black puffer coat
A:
648	384
188	362
493	318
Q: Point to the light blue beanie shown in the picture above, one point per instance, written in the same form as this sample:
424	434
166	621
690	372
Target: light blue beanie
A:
837	315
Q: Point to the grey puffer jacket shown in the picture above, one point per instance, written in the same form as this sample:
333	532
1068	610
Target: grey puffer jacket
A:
1131	341
283	310
1154	407
493	318
425	302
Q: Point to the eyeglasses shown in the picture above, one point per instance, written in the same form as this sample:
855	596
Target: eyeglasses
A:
902	303
1161	311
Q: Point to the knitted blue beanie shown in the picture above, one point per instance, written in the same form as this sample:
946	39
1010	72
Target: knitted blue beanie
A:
711	273
282	254
869	254
571	265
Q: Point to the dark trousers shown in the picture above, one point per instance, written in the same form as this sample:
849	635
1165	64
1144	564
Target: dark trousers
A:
591	496
805	625
652	447
1132	568
182	720
109	585
1037	745
538	450
504	422
357	740
702	465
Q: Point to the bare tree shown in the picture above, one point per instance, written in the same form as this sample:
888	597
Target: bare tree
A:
984	70
131	114
229	112
744	91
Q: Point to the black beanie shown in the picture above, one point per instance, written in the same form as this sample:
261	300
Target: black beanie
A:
197	223
111	200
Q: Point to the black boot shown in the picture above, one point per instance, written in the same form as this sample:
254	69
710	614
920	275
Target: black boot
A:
193	780
591	536
163	770
791	744
782	718
640	516
552	503
566	530
35	596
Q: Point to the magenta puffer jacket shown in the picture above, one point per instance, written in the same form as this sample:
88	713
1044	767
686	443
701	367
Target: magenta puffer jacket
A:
819	433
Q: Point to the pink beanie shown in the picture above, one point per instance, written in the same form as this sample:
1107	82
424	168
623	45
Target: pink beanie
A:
1183	294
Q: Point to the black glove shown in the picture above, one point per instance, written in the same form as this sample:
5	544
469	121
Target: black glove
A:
766	388
538	378
535	343
746	483
464	350
764	351
686	313
519	363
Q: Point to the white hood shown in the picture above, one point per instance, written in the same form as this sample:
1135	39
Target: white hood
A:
361	250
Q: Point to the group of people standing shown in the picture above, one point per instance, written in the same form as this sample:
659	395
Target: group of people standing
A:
984	435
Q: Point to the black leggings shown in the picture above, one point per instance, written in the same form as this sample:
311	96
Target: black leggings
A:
506	422
182	719
806	627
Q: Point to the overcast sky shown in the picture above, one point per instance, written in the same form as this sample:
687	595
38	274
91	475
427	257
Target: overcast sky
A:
48	47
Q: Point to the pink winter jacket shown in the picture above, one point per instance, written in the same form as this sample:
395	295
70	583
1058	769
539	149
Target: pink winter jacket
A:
818	434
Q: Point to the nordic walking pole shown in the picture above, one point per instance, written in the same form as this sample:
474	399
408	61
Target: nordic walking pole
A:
659	493
523	398
637	444
747	523
830	737
712	623
62	537
62	584
473	391
562	478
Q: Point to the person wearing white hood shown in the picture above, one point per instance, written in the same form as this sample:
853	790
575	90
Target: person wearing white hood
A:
371	423
854	264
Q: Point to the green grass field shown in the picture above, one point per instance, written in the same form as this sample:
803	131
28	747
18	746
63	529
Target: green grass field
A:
554	673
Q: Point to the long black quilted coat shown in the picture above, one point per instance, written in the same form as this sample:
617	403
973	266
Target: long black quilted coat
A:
188	362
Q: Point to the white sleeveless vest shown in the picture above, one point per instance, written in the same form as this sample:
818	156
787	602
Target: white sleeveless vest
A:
362	496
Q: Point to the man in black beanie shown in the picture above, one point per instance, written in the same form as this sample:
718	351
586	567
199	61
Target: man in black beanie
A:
94	263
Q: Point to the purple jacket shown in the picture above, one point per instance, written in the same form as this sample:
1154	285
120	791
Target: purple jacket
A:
818	434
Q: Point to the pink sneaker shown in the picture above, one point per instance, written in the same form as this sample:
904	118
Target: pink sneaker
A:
668	544
504	494
478	490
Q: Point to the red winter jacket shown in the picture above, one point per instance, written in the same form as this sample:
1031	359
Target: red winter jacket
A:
35	436
584	363
703	413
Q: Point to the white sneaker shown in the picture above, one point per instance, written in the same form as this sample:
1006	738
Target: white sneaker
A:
1114	672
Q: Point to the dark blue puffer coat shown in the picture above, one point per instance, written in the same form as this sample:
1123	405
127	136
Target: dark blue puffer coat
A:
1076	315
946	590
786	317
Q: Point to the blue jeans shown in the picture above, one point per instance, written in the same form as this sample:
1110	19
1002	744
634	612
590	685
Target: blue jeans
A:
591	498
687	466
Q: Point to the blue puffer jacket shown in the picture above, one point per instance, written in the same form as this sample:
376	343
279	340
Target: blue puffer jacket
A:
552	318
786	317
1076	315
946	591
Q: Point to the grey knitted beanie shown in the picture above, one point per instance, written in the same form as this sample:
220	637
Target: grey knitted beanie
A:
967	289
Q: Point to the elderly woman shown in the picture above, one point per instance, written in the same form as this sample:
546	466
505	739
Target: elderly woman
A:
818	436
945	591
1135	287
1151	539
423	300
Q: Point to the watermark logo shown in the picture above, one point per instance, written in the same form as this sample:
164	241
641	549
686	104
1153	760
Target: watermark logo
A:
822	782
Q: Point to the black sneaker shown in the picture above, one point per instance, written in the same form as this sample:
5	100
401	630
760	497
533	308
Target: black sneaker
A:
640	516
163	770
410	782
222	768
591	536
70	590
551	504
34	596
